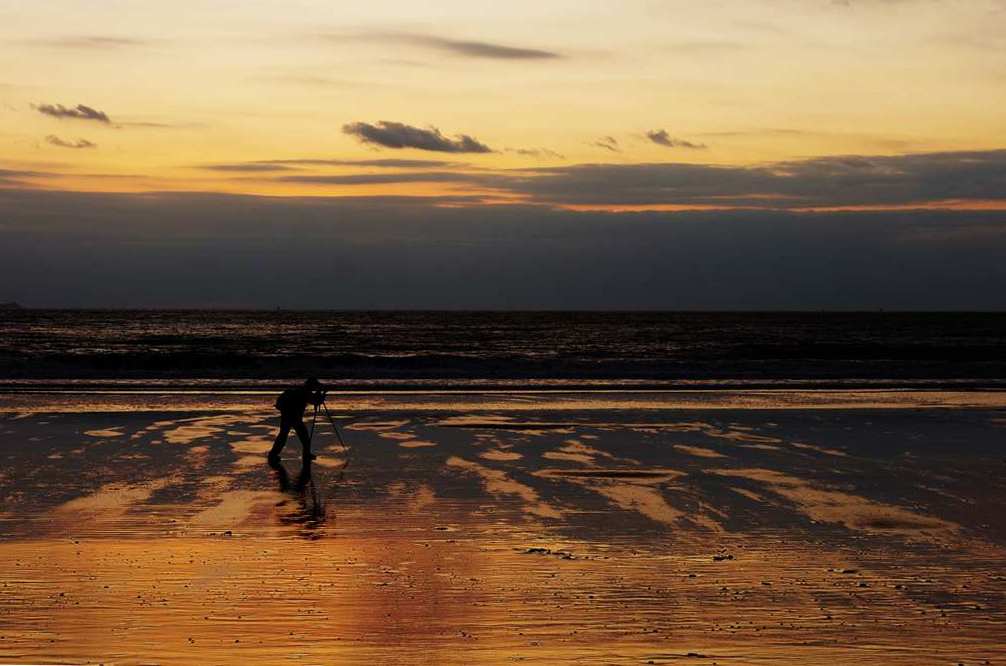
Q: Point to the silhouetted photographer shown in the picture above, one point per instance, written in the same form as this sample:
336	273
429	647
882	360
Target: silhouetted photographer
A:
291	404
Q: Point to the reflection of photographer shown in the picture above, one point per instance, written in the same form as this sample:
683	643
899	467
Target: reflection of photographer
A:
291	404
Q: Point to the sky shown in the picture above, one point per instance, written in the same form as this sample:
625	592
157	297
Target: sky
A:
664	154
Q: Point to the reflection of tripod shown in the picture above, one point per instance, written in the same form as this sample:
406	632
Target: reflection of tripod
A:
348	452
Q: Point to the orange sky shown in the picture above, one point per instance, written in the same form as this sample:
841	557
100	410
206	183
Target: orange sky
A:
177	88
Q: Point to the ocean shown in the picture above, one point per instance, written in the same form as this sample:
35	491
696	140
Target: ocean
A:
391	350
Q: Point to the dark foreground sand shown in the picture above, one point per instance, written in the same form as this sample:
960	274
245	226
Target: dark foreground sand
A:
729	528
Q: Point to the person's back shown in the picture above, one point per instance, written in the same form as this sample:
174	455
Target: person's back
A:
293	401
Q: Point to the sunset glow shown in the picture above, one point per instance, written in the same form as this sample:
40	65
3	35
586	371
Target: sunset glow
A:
202	96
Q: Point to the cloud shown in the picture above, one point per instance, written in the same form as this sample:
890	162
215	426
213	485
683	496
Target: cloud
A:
399	135
17	176
385	178
79	112
945	180
661	137
765	131
161	125
280	165
467	48
246	167
539	153
608	143
54	140
309	81
381	163
707	47
96	42
853	180
883	142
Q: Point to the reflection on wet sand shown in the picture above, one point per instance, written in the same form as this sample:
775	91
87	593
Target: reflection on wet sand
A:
309	508
497	482
832	506
493	536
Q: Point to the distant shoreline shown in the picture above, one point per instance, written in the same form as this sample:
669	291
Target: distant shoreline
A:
498	311
518	385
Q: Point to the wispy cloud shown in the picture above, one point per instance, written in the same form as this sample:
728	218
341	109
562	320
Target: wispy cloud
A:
381	163
246	167
763	131
539	153
892	143
662	138
385	178
79	112
54	140
310	81
461	47
17	176
266	166
161	125
399	135
707	47
95	42
608	143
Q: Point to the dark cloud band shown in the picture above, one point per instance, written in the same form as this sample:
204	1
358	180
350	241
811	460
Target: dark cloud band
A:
826	182
85	250
820	182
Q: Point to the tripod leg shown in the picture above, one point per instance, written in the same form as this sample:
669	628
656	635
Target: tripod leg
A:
314	420
345	449
331	420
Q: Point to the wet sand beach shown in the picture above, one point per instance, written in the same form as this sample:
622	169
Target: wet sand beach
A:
726	527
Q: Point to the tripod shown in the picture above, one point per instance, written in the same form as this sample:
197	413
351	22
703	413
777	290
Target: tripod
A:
348	452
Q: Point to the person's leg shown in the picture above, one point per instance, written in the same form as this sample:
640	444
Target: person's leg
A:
304	436
284	430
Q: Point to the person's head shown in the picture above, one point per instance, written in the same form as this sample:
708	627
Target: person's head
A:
312	384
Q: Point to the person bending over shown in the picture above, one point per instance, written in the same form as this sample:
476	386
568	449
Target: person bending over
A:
291	404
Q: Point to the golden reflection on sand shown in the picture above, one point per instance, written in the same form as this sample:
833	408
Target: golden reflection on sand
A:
104	432
236	509
408	600
377	426
416	444
698	451
833	506
594	537
819	449
327	461
111	500
648	501
497	482
496	454
187	431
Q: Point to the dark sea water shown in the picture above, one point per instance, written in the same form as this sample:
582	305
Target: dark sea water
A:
407	349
